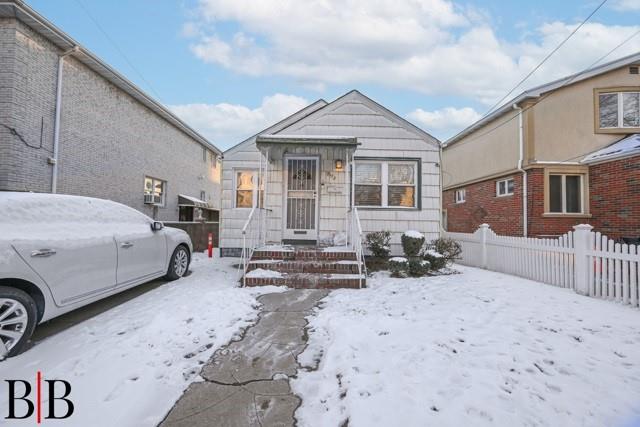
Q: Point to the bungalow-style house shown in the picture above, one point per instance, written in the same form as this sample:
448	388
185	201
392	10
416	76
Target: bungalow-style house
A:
326	173
560	154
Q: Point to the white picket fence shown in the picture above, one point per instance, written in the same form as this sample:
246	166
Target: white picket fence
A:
583	260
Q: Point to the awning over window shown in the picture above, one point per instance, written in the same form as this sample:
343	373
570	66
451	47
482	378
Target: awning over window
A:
625	147
192	201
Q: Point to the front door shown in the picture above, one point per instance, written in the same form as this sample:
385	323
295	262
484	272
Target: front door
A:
301	198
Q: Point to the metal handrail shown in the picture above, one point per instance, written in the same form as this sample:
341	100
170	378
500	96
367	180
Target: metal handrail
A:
356	241
253	234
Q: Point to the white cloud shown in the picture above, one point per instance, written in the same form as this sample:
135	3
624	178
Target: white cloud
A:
626	5
227	124
430	46
445	122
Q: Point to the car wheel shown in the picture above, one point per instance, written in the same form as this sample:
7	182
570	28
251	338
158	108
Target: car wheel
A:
179	264
18	318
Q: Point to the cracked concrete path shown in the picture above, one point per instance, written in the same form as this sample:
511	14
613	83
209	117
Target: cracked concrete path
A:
246	383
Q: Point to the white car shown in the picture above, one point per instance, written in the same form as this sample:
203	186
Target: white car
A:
58	253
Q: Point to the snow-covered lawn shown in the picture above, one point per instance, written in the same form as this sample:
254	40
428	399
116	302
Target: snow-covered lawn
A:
479	348
127	366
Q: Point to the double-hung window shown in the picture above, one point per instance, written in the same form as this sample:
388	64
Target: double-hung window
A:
246	188
566	193
386	183
618	110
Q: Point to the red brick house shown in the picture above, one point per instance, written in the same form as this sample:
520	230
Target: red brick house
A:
561	154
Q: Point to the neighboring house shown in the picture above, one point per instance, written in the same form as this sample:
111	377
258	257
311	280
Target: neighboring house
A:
299	172
558	155
71	124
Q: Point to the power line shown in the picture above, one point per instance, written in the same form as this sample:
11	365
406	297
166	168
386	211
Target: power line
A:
115	45
545	96
546	58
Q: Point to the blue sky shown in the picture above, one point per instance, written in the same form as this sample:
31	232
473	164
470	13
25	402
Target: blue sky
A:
233	67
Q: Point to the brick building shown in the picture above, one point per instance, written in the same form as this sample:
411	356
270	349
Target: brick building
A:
560	154
71	124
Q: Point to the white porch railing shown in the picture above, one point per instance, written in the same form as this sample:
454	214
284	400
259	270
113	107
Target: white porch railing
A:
582	260
356	242
254	234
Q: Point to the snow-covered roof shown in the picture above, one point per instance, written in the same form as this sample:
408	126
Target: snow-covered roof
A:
184	200
623	148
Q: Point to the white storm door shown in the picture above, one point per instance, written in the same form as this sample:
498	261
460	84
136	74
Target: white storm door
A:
301	198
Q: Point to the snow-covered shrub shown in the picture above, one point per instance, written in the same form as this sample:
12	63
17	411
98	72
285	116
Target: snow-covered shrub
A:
436	260
378	243
449	248
398	266
417	267
412	242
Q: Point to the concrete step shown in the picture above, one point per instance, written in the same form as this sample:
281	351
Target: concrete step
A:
307	266
260	277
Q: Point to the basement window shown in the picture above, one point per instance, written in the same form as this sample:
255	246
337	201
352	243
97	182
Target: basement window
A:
505	187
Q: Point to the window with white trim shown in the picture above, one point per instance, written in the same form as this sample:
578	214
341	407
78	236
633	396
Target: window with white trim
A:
619	110
386	183
565	193
154	191
246	188
505	187
459	196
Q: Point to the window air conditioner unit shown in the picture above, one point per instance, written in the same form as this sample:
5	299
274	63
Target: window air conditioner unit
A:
148	199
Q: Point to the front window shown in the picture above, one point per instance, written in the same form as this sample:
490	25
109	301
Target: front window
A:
246	186
619	110
386	183
154	191
565	193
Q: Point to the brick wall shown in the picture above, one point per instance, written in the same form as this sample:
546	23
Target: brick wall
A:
615	197
503	214
538	224
614	189
108	140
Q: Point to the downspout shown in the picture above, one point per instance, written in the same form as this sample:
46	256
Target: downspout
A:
56	124
525	215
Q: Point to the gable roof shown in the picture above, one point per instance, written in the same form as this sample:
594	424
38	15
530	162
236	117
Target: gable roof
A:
19	10
298	115
538	91
355	94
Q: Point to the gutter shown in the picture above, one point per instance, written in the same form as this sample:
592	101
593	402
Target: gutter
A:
525	219
56	124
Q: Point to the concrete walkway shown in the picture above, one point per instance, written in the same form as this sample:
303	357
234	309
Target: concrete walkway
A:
246	383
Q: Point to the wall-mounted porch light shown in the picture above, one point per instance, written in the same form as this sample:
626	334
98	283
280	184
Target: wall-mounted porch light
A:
339	165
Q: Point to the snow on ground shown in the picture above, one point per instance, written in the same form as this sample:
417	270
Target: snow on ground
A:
127	366
473	349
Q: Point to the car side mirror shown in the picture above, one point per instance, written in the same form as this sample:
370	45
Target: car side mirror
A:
157	226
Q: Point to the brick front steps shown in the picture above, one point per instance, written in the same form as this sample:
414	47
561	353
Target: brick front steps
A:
304	268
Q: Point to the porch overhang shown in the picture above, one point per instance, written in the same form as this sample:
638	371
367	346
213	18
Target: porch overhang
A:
263	141
184	200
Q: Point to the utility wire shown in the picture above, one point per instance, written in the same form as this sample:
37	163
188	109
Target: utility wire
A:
546	58
546	95
115	45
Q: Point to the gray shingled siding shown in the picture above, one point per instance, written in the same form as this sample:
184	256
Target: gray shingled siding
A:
108	140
